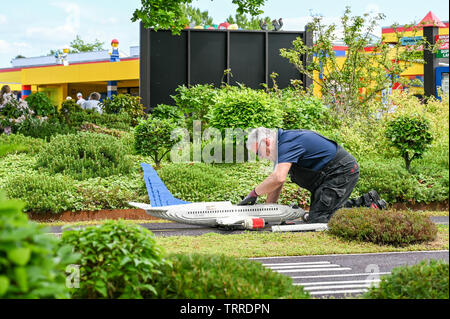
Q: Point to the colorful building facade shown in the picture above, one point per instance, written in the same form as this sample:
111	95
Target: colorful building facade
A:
85	73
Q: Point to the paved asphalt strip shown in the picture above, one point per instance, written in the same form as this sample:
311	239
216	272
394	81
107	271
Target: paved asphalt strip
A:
341	276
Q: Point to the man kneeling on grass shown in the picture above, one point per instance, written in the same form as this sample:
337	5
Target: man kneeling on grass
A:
313	162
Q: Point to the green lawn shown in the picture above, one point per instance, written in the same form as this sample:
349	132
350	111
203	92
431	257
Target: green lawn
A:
264	244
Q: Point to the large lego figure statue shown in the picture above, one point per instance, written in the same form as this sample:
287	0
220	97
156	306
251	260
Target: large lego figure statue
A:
114	52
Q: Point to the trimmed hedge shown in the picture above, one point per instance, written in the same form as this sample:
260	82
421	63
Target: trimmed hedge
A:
85	155
385	227
118	260
220	277
426	280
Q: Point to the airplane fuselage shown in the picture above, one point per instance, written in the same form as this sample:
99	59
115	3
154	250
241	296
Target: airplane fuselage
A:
225	213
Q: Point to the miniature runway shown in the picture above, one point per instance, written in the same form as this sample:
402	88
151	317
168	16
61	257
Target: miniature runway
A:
177	229
344	276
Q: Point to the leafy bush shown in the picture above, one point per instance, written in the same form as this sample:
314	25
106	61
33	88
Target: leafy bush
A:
242	107
200	183
43	193
43	128
386	227
118	260
85	155
153	138
303	112
411	136
168	112
121	121
426	280
124	103
195	102
40	103
32	266
221	277
428	183
31	145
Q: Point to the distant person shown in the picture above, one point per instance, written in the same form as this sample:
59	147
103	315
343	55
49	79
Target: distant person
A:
5	90
93	103
80	99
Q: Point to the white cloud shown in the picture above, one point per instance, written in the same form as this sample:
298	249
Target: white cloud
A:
3	19
61	33
13	47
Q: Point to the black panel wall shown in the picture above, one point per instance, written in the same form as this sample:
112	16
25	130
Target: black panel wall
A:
168	68
248	58
201	56
208	57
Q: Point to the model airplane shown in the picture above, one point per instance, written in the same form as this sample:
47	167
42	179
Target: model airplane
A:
214	214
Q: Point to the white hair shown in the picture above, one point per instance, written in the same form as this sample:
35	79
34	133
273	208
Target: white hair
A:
260	133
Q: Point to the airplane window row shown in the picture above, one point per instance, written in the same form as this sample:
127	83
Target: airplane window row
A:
233	211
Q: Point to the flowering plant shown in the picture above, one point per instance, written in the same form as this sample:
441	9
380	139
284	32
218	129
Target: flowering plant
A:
12	113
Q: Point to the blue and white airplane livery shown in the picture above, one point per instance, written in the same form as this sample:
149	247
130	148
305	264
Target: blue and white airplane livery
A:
214	214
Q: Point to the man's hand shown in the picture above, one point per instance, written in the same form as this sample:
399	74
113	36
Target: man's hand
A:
250	199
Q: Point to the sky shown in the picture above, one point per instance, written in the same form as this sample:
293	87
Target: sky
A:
43	25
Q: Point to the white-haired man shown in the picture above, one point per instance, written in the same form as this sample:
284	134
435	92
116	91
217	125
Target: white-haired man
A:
80	99
313	162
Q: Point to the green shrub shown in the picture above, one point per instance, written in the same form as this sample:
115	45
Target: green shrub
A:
303	112
118	260
168	112
428	183
221	277
43	193
200	183
69	107
32	266
153	138
85	155
411	136
195	101
124	103
385	227
31	145
43	128
40	103
426	280
121	121
242	107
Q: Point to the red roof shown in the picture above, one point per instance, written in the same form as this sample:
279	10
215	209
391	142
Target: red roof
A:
431	20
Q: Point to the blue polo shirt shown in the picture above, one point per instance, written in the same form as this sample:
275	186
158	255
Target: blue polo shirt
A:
306	148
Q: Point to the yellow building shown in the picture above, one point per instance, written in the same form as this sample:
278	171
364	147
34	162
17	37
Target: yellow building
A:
86	73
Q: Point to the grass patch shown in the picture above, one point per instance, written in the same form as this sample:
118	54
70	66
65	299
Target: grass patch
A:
265	244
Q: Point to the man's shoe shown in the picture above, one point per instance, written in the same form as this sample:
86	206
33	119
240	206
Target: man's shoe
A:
377	202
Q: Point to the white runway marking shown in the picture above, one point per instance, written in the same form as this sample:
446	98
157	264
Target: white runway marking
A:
304	266
334	292
303	263
336	282
339	287
342	275
313	270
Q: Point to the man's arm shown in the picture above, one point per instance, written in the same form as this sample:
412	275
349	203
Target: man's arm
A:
274	196
275	181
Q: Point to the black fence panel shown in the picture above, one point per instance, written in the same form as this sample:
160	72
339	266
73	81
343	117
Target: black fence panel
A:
248	58
202	56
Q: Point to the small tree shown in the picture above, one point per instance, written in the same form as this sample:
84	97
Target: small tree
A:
410	135
152	137
370	66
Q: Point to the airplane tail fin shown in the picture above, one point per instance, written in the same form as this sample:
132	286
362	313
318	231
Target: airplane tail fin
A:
158	193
